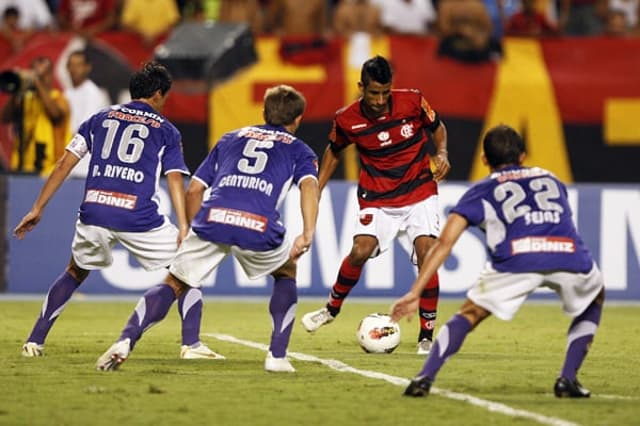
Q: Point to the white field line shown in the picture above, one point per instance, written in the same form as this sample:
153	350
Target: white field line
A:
495	407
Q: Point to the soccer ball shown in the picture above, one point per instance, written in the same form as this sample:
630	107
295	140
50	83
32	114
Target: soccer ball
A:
378	334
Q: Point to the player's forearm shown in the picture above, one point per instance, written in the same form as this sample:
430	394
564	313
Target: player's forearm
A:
195	193
178	198
328	166
440	139
60	172
309	193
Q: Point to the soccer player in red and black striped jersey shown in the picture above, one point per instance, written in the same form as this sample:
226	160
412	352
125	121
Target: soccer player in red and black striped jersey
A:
397	190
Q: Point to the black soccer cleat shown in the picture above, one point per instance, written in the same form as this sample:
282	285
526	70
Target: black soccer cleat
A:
419	386
565	388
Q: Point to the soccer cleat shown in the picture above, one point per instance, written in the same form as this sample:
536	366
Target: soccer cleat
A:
278	365
424	346
419	386
316	319
114	356
565	388
32	349
198	351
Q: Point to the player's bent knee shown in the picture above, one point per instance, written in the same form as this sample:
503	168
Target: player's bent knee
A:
178	286
288	270
78	273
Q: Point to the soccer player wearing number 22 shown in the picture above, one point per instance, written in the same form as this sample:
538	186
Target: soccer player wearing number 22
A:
131	144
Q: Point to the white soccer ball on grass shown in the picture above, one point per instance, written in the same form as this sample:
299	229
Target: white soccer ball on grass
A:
378	334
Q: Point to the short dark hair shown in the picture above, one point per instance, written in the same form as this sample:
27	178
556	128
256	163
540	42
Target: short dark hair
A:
81	53
502	146
152	77
282	105
376	69
11	11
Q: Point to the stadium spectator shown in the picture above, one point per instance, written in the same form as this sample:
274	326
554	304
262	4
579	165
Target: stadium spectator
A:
631	12
356	16
242	220
119	205
87	18
465	31
40	115
33	14
532	243
242	12
582	17
397	190
297	18
10	30
149	19
529	22
85	99
616	25
406	16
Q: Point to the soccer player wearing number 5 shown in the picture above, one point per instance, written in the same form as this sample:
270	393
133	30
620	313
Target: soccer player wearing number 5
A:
249	171
532	243
131	144
397	190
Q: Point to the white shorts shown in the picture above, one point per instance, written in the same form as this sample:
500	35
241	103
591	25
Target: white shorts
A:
409	222
197	258
503	293
154	249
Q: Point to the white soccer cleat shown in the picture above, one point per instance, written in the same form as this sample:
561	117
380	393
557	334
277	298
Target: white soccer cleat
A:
114	356
316	319
31	349
198	351
278	365
424	346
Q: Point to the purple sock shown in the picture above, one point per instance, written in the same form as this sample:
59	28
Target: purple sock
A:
151	308
579	338
59	294
190	309
282	308
448	342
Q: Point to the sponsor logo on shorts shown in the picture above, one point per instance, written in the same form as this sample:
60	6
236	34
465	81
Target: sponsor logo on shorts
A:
110	198
366	219
543	245
238	218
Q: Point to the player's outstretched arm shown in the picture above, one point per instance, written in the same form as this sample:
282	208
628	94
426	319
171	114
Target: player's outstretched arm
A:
195	194
60	172
407	305
441	159
178	199
309	193
328	166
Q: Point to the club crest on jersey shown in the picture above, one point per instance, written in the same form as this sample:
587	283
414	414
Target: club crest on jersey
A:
366	219
110	198
238	218
406	131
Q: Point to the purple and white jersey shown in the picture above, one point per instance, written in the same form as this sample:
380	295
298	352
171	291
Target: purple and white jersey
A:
527	219
131	144
250	171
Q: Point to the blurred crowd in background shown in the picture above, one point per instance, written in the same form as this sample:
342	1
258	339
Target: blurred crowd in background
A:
477	21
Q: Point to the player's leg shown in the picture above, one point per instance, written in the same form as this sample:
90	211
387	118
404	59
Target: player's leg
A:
190	310
57	297
579	338
282	308
428	307
449	341
348	276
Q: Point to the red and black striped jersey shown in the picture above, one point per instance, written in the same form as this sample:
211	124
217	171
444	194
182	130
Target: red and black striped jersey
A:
394	161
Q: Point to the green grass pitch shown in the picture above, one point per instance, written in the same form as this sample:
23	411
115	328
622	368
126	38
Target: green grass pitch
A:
509	363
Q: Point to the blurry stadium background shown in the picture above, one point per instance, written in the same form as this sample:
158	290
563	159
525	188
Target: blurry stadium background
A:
576	100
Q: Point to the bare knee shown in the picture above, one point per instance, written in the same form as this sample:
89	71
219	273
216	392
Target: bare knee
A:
78	273
473	313
288	270
178	286
422	245
363	247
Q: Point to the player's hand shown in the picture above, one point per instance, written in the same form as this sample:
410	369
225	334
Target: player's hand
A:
406	306
300	246
28	222
182	234
442	166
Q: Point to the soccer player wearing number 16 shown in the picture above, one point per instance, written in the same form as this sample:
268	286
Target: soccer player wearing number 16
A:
131	144
532	243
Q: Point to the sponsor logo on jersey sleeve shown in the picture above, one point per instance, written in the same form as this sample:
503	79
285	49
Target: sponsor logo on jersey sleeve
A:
427	109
